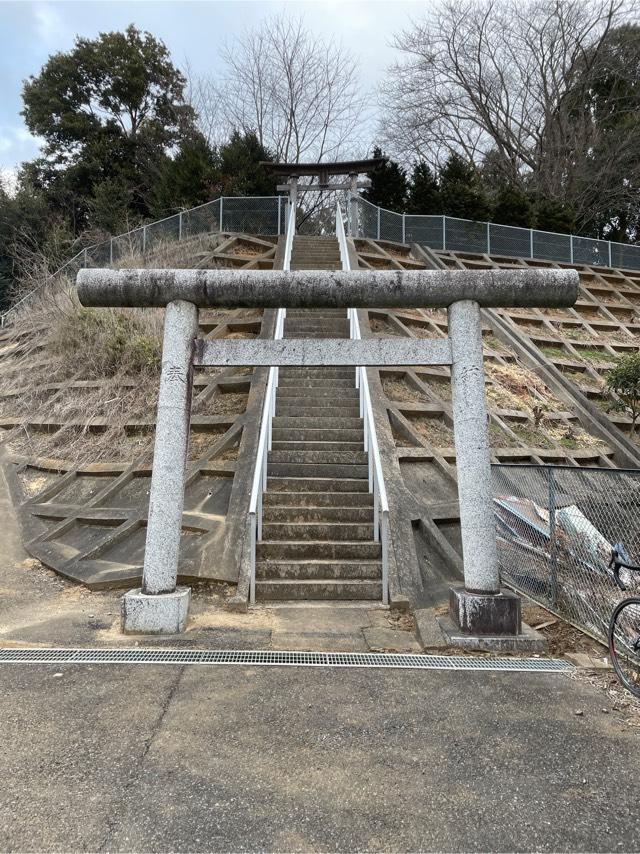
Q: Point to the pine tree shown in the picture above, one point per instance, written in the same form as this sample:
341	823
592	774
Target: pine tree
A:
462	192
388	184
513	207
424	192
552	215
191	178
242	174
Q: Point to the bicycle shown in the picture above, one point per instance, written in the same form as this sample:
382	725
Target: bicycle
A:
624	627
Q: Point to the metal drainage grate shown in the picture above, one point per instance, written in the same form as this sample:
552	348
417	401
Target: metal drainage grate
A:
277	658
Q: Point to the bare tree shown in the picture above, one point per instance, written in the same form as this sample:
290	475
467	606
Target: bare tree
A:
299	94
507	78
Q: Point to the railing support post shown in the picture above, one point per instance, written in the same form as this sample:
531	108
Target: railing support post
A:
159	606
480	607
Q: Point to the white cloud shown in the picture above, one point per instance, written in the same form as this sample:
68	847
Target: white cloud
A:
49	25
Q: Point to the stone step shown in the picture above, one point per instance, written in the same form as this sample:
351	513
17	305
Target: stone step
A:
286	422
319	334
296	407
311	324
312	382
282	590
317	265
324	392
317	312
310	549
316	470
319	531
306	570
355	457
311	434
318	445
318	373
282	499
324	485
294	514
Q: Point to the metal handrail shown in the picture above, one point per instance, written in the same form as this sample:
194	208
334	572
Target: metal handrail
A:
376	476
259	483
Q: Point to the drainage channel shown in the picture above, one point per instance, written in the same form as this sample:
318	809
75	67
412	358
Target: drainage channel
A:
277	658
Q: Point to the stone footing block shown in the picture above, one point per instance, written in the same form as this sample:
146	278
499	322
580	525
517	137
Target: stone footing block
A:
483	613
160	614
529	640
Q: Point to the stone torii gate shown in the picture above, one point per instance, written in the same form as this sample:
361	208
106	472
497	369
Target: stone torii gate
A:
480	607
322	171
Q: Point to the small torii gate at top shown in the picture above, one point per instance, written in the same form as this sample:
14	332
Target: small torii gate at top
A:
353	168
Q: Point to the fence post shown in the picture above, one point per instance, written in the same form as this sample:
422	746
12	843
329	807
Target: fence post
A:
404	229
180	226
610	264
85	257
444	233
279	213
378	223
571	247
220	217
530	243
111	251
553	542
144	239
488	239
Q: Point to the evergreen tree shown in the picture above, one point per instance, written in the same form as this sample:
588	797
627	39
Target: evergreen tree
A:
241	172
424	192
189	179
461	191
552	215
512	207
388	184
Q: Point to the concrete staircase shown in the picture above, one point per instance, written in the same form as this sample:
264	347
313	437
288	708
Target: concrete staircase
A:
317	534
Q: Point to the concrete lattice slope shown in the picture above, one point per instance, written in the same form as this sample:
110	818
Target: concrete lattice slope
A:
79	447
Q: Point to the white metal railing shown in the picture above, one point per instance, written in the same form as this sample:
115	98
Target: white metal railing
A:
376	476
259	483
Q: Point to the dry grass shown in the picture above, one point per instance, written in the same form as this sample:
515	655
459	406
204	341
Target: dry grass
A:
115	353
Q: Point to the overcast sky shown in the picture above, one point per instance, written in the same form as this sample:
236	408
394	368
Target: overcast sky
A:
193	31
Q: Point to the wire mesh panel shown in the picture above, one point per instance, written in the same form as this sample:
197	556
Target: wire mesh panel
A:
589	251
509	240
390	226
464	235
201	220
627	257
367	220
163	231
255	215
555	247
426	230
556	527
127	245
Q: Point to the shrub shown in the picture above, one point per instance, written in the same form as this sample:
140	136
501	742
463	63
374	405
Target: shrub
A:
624	381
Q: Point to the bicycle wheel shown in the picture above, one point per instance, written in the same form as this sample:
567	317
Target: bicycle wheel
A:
624	643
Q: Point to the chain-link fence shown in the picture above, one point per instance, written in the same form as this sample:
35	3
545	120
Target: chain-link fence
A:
463	235
556	526
250	214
